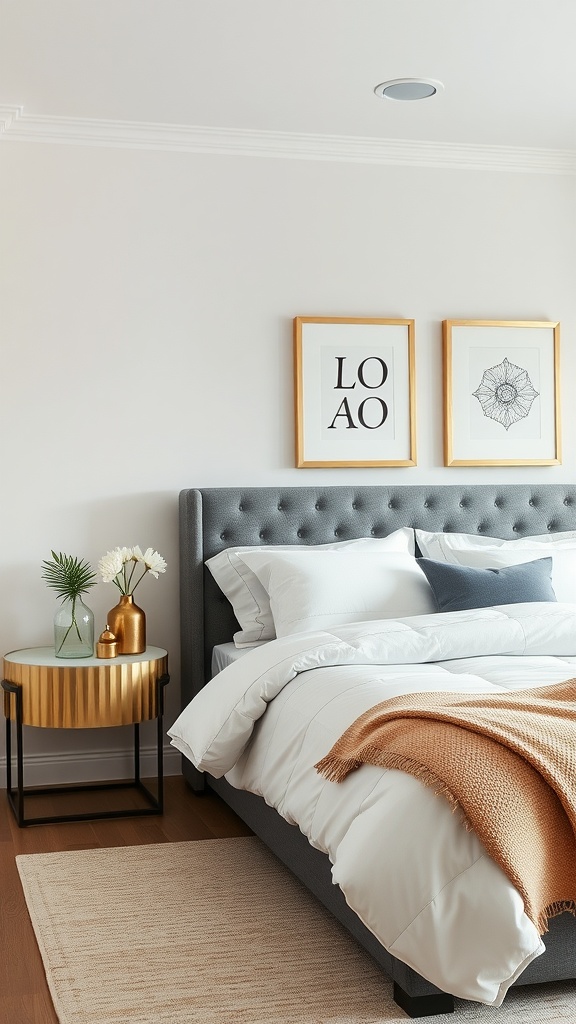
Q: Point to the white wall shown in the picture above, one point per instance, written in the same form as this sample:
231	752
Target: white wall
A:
147	301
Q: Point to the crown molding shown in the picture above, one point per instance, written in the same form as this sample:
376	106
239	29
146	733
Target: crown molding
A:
8	115
16	126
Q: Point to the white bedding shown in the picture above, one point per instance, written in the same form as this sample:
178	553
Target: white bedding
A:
419	881
224	654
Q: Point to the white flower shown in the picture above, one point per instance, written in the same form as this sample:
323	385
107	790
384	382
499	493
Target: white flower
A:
154	562
114	567
111	564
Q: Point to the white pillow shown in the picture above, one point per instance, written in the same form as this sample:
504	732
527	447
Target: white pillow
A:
494	553
319	590
250	600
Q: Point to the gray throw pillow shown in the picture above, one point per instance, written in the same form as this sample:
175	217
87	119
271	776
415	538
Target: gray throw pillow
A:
457	587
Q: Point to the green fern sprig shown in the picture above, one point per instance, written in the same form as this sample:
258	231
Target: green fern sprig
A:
68	576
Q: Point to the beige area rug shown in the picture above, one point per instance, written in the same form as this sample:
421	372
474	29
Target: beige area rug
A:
214	932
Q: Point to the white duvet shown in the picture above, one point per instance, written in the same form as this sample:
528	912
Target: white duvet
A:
418	880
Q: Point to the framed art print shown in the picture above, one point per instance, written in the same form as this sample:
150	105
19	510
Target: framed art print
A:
354	391
501	393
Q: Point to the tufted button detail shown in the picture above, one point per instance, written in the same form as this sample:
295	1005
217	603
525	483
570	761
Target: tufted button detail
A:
262	534
391	505
299	533
567	501
280	506
240	507
498	503
318	506
223	535
463	504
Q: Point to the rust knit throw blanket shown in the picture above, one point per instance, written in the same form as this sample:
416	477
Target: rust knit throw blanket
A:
506	761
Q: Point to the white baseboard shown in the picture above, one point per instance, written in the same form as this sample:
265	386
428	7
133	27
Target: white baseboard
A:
91	766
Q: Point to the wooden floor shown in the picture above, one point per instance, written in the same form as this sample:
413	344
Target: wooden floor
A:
24	995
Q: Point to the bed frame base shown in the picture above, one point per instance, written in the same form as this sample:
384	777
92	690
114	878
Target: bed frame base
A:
423	1006
195	779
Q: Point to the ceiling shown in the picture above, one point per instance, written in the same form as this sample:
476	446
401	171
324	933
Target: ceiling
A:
300	66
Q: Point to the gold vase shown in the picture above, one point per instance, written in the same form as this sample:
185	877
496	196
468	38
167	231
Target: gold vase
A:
128	623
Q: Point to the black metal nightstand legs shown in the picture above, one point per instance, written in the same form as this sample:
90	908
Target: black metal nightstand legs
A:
18	805
17	795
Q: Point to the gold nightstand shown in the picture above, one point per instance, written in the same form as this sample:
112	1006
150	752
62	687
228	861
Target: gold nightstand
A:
85	693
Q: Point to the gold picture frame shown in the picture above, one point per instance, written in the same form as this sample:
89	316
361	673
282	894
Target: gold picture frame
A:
501	392
354	392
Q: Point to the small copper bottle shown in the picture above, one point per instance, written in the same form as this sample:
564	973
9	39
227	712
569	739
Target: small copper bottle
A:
107	646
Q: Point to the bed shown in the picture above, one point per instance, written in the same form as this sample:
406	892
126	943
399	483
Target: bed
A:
214	519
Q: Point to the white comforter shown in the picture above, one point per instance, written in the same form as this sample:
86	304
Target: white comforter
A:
419	881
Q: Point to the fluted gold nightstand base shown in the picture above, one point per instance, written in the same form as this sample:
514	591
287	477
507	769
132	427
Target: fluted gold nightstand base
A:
86	693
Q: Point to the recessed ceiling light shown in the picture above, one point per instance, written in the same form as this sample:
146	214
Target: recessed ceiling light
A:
409	88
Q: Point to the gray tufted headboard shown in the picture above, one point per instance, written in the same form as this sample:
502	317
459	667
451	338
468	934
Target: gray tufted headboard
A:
216	517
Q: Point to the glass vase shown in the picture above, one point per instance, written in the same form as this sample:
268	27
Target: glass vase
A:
128	623
74	629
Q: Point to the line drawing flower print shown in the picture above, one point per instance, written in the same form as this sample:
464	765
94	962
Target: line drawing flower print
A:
506	393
